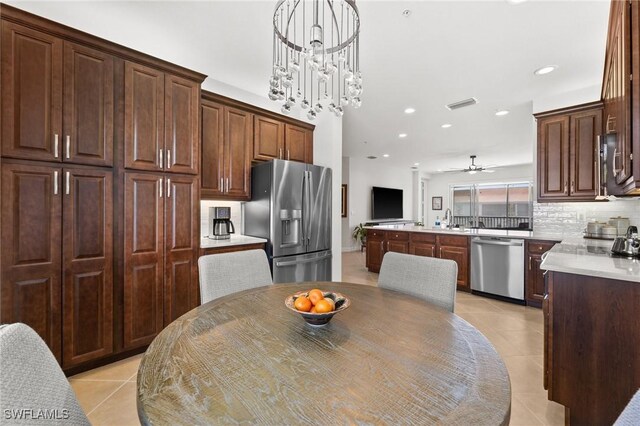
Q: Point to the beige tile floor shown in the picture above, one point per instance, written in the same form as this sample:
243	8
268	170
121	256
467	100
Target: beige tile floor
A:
108	394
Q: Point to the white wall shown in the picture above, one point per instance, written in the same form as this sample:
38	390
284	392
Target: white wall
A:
438	184
144	34
364	174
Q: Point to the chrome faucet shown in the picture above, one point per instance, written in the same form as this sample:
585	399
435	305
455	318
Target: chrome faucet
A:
447	218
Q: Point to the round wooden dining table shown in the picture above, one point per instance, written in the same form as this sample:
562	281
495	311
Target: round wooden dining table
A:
389	358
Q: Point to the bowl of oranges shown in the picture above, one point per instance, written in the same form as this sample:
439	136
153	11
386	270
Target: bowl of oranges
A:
317	307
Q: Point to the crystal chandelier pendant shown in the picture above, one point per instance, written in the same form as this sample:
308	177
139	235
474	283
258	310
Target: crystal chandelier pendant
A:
316	53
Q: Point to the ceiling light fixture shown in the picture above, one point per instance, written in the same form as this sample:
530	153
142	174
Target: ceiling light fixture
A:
402	135
385	155
545	70
416	164
409	110
516	1
502	112
446	126
316	56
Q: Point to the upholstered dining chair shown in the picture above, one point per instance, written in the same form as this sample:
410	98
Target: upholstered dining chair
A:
630	416
33	388
226	273
428	278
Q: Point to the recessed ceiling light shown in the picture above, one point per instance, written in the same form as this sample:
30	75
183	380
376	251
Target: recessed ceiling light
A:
409	110
439	170
402	135
385	155
446	126
545	70
416	164
502	112
406	13
516	1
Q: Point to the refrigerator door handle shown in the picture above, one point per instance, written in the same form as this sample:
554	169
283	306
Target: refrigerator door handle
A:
297	262
304	208
310	205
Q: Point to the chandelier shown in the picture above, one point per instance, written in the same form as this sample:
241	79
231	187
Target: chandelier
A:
316	56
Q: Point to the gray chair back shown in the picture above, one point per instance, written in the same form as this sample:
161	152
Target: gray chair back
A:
630	416
428	278
226	273
33	386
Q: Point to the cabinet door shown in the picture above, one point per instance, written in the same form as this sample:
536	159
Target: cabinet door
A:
181	136
143	118
553	157
398	246
31	93
88	106
238	136
461	256
31	243
87	292
585	129
375	250
535	279
423	249
182	243
296	143
268	139
212	143
143	258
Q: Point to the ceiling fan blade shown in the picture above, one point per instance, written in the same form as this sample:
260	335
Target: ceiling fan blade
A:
488	170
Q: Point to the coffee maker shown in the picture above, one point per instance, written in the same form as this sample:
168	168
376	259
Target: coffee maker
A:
220	225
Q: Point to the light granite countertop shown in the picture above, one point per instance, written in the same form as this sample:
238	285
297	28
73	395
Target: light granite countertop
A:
234	240
526	235
590	257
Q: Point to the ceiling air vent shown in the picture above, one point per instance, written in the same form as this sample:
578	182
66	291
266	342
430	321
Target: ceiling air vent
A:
462	104
372	157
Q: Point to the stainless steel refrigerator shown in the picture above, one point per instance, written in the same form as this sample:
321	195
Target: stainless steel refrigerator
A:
291	207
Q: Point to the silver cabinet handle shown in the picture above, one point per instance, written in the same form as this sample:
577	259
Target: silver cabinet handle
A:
55	145
440	252
160	187
221	184
616	155
55	182
573	187
566	186
160	158
68	148
597	168
168	159
433	251
280	153
529	262
66	185
227	189
168	187
288	154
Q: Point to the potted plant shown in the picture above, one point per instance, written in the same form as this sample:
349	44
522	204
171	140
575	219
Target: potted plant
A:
360	234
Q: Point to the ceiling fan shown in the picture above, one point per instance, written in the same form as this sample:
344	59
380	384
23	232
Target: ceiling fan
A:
473	168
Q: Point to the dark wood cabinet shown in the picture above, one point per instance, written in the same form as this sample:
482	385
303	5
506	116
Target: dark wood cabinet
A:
534	276
456	248
375	249
143	258
567	153
181	246
226	151
31	93
87	313
422	244
31	250
161	121
88	106
268	139
397	242
592	346
298	144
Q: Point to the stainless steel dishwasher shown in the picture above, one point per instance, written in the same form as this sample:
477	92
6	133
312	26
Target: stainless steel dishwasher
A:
497	266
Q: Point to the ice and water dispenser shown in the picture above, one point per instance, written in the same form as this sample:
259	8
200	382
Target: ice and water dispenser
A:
291	227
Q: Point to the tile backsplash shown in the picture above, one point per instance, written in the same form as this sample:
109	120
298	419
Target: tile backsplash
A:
236	214
567	218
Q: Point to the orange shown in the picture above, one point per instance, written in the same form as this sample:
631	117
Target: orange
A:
331	302
313	310
315	295
302	304
323	306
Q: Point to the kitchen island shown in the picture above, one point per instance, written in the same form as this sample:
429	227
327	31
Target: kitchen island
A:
592	330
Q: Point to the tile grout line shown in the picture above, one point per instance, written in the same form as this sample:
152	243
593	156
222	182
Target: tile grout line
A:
108	396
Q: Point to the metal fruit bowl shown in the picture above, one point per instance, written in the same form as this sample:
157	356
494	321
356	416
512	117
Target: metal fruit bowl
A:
341	302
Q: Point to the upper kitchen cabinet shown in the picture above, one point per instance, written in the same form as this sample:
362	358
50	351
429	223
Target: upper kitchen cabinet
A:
567	153
298	143
621	96
57	99
161	121
227	139
275	139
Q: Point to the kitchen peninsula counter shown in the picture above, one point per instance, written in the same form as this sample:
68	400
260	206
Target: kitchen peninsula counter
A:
501	233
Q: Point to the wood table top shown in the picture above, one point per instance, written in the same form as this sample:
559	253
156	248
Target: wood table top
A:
389	358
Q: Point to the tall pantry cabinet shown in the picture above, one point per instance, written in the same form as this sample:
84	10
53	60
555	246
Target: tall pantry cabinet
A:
99	190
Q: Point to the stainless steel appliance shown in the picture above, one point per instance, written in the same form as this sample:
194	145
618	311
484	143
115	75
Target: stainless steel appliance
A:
220	225
291	208
628	245
497	266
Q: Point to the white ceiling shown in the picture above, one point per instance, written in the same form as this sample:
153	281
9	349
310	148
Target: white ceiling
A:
444	52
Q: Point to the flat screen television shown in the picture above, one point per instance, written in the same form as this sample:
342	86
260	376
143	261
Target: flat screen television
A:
386	203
